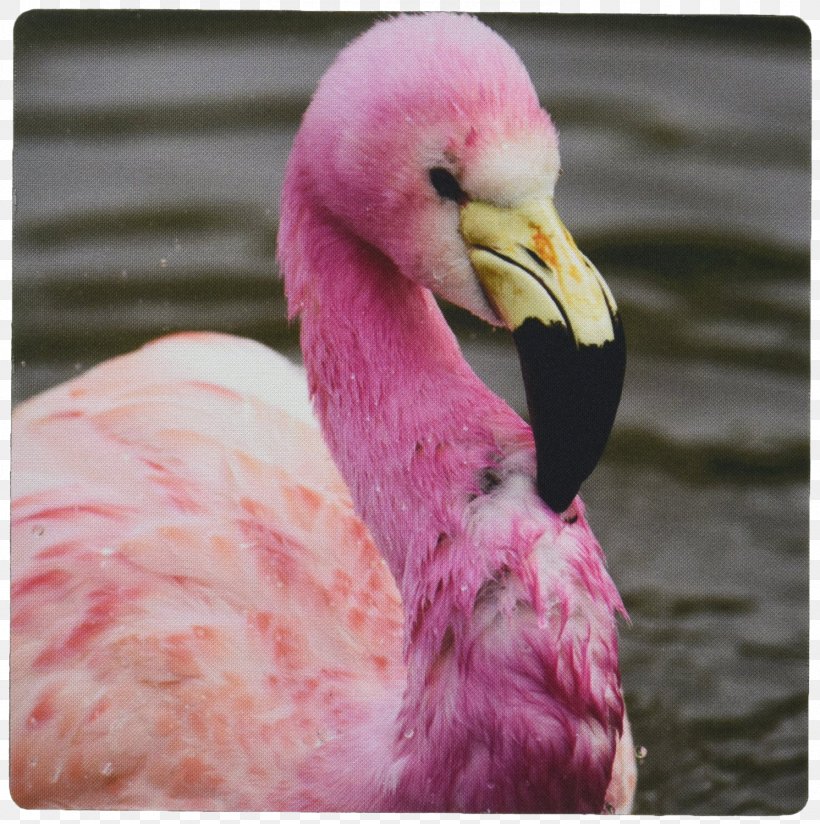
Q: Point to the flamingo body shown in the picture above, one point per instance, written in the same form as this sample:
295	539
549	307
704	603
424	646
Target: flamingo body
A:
200	615
188	631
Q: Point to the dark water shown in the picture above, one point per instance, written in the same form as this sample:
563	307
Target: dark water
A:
149	151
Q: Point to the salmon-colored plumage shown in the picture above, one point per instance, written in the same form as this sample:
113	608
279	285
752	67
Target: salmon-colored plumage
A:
175	554
201	617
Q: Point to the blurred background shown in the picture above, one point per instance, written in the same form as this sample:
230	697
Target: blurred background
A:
148	158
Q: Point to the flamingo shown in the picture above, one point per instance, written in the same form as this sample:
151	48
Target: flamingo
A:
219	604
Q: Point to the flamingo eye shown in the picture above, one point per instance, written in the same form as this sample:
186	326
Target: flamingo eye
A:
447	186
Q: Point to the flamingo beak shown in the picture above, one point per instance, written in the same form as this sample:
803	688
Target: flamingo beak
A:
566	328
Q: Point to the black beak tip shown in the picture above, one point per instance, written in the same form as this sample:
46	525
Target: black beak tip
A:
573	394
556	498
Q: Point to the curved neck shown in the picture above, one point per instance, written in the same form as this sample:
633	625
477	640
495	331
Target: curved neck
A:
416	435
408	422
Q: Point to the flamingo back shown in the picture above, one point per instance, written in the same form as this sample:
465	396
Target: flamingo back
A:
195	605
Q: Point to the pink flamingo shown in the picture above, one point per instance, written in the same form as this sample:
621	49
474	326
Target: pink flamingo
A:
200	616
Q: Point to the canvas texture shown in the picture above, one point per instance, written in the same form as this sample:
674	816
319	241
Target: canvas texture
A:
151	152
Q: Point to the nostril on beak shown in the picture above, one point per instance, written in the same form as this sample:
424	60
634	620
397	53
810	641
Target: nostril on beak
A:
537	258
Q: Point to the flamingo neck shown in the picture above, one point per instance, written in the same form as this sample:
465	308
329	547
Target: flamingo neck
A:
419	439
409	424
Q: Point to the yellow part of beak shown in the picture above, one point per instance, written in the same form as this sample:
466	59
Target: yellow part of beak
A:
529	267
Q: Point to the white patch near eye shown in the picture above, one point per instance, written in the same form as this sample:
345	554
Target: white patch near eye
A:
514	170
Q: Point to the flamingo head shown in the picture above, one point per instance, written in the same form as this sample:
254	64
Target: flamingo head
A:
426	140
